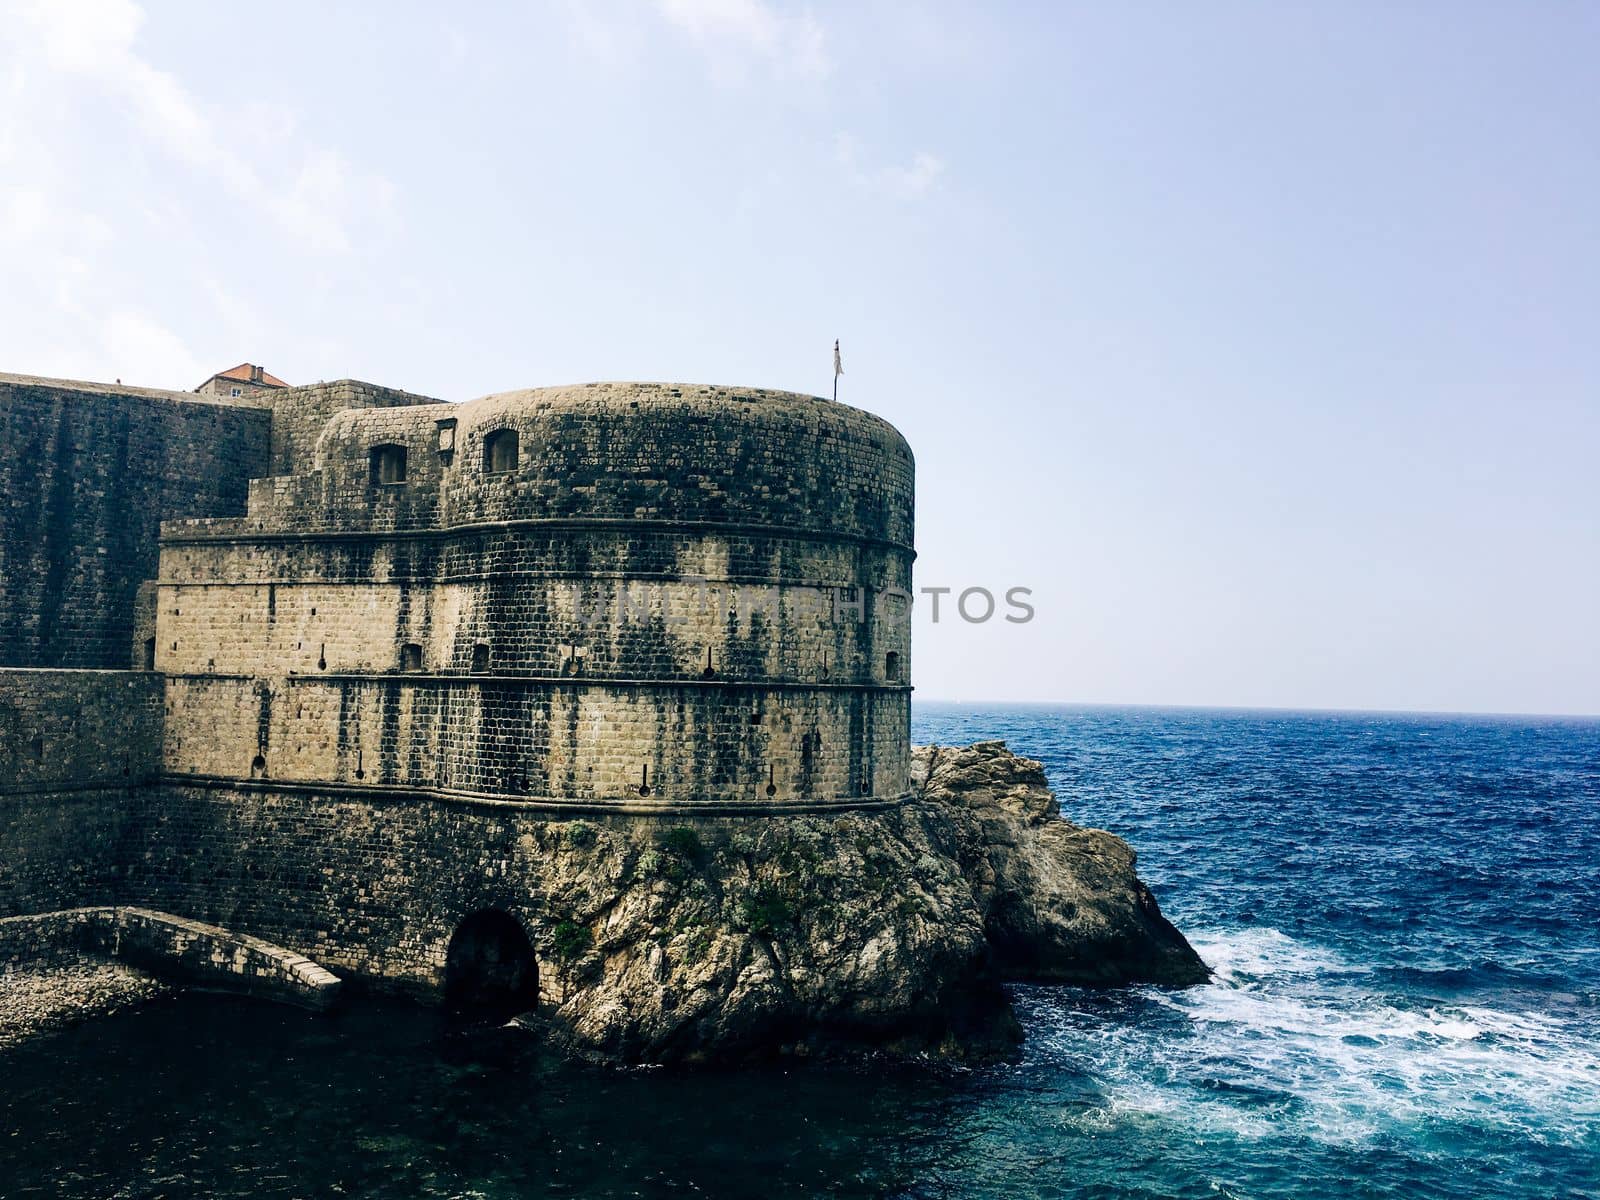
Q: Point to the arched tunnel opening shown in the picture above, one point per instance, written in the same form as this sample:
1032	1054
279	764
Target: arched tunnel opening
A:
490	967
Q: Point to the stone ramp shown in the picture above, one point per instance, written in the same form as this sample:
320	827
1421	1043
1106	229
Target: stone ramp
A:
170	947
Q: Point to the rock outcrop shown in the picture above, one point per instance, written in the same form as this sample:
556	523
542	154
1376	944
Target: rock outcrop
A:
822	934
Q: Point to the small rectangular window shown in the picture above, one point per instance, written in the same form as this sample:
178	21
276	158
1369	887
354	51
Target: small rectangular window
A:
500	452
388	464
411	657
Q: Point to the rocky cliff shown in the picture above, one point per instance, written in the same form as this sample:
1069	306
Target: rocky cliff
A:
829	934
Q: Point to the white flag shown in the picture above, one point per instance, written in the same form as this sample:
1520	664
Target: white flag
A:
838	367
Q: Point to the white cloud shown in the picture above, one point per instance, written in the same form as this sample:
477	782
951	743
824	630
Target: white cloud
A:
118	183
737	36
144	349
922	175
323	200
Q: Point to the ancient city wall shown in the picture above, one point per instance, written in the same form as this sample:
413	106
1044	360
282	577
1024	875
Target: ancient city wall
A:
679	593
75	747
299	415
373	885
381	694
173	947
88	474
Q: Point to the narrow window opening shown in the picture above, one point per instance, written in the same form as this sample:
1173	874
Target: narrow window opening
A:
258	767
388	464
866	788
36	748
891	665
480	658
322	656
710	670
361	771
500	452
411	657
772	783
149	654
644	780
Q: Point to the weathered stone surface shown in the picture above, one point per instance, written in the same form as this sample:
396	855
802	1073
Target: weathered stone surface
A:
1060	903
891	930
87	475
173	948
674	592
44	998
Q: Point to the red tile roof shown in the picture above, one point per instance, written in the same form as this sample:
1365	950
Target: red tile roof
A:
244	372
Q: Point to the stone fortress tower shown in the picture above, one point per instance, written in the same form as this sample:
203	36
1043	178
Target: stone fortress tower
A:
381	646
613	594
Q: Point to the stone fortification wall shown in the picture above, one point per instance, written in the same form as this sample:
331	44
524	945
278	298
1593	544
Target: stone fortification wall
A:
299	415
89	472
74	748
172	947
375	884
675	593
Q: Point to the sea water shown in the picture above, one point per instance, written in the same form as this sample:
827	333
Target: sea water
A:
1403	916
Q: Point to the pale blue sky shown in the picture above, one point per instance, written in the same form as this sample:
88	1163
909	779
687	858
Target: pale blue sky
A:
1261	341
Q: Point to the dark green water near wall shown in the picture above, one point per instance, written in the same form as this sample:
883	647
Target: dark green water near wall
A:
203	1095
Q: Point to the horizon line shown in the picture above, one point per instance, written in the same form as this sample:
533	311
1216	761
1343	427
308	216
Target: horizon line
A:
1268	708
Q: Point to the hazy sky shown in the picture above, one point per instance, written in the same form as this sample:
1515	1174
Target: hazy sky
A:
1261	341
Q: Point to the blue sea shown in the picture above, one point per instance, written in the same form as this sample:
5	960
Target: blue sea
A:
1403	914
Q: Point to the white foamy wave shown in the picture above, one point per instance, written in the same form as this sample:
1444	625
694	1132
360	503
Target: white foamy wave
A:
1291	1039
1263	952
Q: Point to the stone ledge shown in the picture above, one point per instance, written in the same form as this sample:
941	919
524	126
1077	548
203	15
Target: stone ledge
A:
169	946
250	531
544	805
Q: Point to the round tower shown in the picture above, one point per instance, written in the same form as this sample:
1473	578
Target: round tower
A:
617	593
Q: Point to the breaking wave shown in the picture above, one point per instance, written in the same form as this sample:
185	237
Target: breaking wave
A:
1292	1039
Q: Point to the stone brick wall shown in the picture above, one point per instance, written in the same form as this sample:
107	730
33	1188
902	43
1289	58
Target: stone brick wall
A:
74	747
78	729
367	884
299	415
177	948
88	473
374	701
554	740
654	452
47	939
681	593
